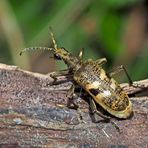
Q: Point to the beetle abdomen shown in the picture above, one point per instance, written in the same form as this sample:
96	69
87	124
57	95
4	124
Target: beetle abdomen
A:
104	90
110	99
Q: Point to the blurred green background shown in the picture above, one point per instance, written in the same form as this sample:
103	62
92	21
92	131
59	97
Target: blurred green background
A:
113	29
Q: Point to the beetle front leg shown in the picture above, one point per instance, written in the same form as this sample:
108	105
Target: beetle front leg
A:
54	75
81	53
117	70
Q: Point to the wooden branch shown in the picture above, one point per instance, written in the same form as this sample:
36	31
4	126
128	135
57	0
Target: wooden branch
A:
32	114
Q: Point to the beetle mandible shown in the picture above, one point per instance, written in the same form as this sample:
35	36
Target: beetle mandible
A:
90	75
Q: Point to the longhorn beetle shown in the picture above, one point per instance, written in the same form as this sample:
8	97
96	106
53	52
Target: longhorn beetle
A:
90	76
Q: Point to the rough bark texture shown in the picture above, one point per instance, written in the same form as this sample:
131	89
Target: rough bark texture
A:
32	115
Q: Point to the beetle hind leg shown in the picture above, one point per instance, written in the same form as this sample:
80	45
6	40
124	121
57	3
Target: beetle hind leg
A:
122	68
95	111
119	69
106	118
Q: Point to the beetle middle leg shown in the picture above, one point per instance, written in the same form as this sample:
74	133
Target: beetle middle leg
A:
101	61
94	110
72	96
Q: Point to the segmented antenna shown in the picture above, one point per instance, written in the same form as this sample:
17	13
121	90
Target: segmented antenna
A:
35	48
53	38
42	48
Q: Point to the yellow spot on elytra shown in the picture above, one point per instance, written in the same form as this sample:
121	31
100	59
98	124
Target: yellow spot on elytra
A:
106	93
113	84
94	85
102	74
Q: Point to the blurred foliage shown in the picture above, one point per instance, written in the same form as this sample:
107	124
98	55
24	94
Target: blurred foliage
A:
100	27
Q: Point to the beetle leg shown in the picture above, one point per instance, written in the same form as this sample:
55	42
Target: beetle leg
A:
108	119
81	53
117	70
54	75
101	61
94	110
72	96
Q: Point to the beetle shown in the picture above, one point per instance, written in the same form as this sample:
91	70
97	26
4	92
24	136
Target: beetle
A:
90	75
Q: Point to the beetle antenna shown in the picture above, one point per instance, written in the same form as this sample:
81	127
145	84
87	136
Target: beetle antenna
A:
35	48
53	38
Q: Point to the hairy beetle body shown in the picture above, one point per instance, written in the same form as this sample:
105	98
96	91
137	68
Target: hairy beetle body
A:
92	78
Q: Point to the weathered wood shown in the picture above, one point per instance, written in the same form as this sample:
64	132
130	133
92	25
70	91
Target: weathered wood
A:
31	114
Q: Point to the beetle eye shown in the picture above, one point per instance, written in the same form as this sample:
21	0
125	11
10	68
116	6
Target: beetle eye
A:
57	57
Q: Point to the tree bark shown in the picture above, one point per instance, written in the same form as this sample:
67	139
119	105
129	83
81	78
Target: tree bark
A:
33	113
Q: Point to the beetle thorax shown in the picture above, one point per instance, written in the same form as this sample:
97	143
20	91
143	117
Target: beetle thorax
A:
72	62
